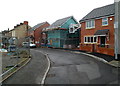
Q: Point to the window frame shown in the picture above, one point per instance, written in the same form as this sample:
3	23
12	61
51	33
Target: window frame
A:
104	21
90	24
87	37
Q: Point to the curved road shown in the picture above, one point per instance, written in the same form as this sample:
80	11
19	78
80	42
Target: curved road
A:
32	73
72	68
66	68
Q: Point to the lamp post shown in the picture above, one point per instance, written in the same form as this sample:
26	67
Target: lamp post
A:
117	28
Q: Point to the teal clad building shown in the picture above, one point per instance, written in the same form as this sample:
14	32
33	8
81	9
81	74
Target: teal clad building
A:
63	33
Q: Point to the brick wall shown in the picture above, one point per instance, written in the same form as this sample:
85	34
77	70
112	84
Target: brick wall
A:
38	33
90	32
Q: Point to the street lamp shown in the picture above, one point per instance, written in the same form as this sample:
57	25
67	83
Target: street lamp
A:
117	28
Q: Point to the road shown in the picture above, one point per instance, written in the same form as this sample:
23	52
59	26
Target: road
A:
72	68
32	73
66	68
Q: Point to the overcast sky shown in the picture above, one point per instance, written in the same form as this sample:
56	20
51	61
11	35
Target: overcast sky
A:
13	12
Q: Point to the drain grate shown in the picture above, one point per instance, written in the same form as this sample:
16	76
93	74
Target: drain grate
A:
51	75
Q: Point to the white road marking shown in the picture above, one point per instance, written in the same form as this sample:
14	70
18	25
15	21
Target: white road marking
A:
45	75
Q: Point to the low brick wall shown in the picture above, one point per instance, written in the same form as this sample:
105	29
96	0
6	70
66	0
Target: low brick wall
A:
108	51
102	50
86	47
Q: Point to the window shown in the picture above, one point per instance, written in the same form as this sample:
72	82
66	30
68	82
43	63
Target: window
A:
71	30
85	39
105	21
90	24
90	39
95	39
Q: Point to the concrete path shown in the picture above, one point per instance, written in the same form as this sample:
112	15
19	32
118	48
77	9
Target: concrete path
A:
32	73
72	68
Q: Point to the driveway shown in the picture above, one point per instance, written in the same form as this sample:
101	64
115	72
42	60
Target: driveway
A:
72	68
32	73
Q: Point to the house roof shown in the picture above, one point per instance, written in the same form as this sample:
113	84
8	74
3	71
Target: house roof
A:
37	26
59	22
100	12
102	32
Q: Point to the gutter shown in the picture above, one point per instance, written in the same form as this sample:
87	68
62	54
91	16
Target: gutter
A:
97	17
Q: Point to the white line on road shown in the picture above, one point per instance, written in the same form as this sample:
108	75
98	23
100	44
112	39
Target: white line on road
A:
45	75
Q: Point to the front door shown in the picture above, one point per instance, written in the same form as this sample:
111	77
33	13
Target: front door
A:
102	41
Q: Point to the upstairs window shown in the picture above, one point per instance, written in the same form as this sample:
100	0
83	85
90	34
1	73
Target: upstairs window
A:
73	28
104	21
90	24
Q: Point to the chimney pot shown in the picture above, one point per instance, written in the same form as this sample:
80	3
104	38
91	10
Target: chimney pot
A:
21	23
26	22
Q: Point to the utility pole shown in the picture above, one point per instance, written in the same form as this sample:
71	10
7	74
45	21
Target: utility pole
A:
117	29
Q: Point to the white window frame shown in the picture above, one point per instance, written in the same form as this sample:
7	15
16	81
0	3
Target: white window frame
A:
89	24
86	39
90	39
72	26
96	39
104	21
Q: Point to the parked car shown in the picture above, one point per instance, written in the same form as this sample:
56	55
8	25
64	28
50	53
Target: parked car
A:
3	50
25	44
32	45
29	44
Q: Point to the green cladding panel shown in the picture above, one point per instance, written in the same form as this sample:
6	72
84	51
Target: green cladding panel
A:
57	38
53	37
69	21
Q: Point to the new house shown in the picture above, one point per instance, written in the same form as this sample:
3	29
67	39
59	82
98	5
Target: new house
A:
97	30
63	33
35	33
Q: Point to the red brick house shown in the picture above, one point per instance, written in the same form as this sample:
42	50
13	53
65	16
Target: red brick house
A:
97	30
35	32
44	41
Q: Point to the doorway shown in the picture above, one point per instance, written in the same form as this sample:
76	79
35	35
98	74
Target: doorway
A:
102	41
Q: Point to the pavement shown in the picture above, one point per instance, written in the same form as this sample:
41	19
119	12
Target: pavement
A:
102	57
76	68
32	73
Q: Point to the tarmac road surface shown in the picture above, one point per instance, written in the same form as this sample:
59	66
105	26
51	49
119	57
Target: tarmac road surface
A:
32	73
72	68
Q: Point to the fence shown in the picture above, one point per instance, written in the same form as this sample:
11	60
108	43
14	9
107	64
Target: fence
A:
13	50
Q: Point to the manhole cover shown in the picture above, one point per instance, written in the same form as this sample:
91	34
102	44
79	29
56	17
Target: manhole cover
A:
51	75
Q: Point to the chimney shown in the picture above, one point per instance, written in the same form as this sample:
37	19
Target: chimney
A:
25	22
21	23
15	26
18	25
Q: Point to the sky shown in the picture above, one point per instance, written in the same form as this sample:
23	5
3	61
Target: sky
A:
13	12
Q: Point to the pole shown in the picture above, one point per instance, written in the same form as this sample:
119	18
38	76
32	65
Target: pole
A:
117	39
